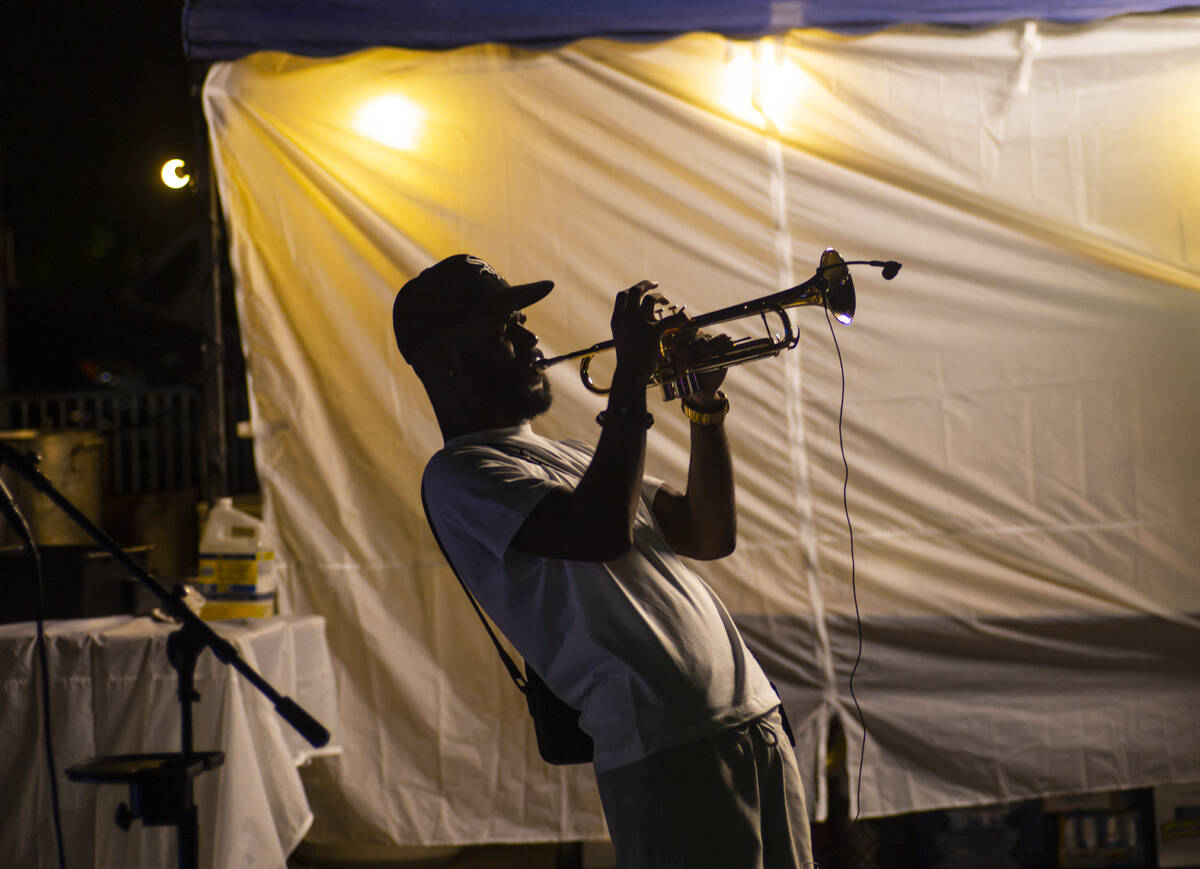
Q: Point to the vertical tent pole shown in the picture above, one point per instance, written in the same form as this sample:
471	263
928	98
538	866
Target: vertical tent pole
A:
214	481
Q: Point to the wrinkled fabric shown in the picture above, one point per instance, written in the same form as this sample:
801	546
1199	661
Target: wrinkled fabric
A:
1018	416
113	692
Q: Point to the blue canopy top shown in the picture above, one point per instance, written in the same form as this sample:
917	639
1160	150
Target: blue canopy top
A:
228	29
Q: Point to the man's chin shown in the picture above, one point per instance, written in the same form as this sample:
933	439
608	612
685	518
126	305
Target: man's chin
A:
537	400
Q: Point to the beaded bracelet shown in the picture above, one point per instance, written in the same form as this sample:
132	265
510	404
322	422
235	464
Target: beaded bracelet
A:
712	417
625	413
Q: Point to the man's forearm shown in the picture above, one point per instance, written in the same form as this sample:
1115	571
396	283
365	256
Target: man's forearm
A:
594	521
607	495
710	492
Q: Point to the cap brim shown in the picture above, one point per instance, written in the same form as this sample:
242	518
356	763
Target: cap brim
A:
524	295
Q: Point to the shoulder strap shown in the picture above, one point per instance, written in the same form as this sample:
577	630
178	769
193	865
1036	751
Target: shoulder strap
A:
515	673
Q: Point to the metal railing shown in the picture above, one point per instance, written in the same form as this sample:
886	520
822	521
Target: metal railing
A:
154	436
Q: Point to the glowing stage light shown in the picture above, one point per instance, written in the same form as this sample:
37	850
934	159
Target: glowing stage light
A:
173	176
391	120
758	84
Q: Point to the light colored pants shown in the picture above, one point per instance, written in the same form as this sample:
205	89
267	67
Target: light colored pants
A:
733	801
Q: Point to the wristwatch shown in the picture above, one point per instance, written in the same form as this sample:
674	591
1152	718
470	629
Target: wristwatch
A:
710	417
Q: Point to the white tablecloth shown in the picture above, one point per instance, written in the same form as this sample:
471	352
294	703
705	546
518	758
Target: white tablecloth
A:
113	692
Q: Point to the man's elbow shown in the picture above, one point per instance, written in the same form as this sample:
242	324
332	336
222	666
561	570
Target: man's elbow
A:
574	539
595	543
727	547
611	547
718	547
711	545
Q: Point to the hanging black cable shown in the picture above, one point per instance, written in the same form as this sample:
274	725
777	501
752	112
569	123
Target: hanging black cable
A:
853	579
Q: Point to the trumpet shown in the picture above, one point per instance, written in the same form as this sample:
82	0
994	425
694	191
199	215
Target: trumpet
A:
830	286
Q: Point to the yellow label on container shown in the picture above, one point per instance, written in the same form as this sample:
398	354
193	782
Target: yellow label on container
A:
223	572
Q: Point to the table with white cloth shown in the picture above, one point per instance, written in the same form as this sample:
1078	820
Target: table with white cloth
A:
113	692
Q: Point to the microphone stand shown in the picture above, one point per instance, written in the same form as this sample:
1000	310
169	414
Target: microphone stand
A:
160	784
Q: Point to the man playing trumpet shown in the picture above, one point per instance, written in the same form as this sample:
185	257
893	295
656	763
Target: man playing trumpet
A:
575	555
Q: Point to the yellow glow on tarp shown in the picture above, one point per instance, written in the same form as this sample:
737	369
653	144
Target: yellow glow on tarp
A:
391	120
759	83
173	175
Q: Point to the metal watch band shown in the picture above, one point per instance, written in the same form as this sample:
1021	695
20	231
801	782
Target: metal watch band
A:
712	417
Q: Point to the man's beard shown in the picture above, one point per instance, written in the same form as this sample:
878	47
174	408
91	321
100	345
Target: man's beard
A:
519	394
534	399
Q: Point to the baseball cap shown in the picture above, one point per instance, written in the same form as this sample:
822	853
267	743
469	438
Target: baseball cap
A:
460	289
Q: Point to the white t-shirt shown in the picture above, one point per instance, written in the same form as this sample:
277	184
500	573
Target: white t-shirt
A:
640	644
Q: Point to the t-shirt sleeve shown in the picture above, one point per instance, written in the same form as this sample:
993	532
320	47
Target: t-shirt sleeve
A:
482	495
650	487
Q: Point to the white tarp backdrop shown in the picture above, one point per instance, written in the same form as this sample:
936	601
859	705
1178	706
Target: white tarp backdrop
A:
1020	408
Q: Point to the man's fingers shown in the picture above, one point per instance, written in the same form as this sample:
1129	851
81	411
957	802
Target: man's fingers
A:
709	344
639	290
652	304
632	298
700	346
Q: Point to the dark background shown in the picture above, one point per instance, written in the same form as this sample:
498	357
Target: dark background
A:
105	272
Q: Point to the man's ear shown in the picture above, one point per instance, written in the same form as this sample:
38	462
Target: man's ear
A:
438	359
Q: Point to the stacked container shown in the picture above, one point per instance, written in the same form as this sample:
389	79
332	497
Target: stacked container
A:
237	565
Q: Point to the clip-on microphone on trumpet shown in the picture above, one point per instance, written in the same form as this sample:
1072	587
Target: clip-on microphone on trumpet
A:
890	267
839	298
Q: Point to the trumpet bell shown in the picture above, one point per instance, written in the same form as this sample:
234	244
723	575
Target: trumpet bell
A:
839	294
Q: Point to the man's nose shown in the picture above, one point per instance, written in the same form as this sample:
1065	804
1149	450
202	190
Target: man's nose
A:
523	336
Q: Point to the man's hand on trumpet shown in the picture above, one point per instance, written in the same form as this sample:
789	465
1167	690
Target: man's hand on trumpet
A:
640	318
691	349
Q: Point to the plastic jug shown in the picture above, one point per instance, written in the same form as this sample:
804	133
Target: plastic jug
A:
237	564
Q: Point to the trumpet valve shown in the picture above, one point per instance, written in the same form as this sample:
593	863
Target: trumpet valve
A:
679	387
675	384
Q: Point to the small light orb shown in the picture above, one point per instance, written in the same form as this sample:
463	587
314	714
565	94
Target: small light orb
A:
173	175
